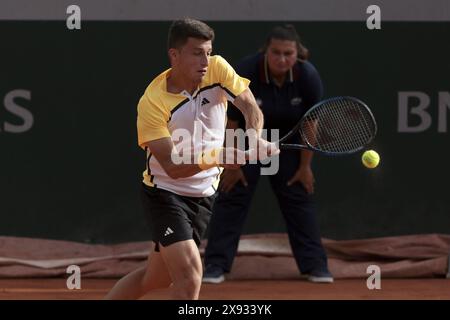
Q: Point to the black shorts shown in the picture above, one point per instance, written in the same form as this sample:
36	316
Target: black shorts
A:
174	218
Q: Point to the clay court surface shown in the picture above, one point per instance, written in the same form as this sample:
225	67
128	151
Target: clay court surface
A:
354	289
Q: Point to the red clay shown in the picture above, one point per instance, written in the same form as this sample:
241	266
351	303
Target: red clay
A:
355	289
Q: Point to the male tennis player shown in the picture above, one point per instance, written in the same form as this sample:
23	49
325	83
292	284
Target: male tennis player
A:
189	97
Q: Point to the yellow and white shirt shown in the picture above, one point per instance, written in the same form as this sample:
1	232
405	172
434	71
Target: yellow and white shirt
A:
200	117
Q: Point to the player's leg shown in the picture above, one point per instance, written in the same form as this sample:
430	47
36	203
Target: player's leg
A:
162	210
178	223
299	211
229	213
153	275
185	268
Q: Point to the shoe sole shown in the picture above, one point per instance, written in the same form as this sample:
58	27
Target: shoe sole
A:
214	280
320	279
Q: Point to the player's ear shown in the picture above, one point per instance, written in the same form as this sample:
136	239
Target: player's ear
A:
173	56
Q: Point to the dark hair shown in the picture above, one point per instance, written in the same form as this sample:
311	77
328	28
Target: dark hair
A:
287	32
181	30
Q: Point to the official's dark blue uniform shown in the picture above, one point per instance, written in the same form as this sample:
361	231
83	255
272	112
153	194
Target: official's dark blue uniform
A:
282	108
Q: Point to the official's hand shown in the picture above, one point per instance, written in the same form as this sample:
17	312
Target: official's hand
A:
305	176
229	178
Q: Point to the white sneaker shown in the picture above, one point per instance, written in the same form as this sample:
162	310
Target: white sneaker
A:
213	274
320	277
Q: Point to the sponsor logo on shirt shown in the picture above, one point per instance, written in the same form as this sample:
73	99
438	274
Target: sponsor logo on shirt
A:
296	101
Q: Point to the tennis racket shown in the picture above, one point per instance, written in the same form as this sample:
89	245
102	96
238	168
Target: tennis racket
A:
336	126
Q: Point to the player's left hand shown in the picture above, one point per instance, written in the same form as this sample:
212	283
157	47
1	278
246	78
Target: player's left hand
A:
305	176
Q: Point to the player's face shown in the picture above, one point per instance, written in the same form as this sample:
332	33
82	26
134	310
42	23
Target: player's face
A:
281	56
192	59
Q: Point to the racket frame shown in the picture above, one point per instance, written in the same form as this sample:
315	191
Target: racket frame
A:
308	146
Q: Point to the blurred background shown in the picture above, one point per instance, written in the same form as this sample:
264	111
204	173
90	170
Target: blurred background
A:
70	167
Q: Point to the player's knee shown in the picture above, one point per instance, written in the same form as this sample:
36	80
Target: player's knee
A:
189	290
193	279
150	282
188	285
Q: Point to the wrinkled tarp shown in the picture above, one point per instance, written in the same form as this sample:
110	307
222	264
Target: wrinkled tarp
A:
262	256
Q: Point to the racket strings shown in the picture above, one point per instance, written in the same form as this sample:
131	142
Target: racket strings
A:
340	125
357	132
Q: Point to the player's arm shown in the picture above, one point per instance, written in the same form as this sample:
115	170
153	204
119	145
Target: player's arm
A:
254	119
243	99
163	150
246	103
239	93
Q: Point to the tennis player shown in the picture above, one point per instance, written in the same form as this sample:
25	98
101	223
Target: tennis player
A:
177	197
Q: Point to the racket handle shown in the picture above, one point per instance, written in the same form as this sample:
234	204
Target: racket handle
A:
289	146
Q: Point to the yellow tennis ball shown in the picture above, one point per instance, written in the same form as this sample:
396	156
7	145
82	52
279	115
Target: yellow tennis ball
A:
370	159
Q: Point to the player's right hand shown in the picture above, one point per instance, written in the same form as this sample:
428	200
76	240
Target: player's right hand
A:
261	150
